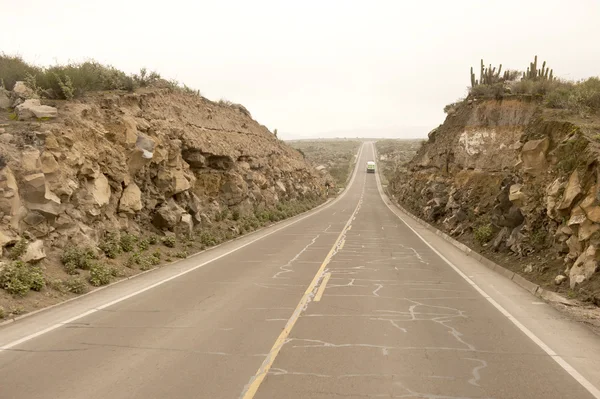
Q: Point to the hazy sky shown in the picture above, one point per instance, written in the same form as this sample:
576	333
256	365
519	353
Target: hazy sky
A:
309	67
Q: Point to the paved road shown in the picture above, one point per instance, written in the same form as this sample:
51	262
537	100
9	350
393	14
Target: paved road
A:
345	303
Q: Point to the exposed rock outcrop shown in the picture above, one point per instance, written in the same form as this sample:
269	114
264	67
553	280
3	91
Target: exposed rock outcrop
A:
522	179
154	162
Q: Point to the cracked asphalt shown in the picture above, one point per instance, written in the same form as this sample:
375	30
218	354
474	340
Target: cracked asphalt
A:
345	303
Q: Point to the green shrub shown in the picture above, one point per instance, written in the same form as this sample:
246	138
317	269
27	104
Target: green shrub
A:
154	260
76	286
169	241
146	263
111	245
181	254
18	278
483	233
208	239
235	215
116	272
143	244
146	79
58	285
66	86
127	242
134	259
152	240
74	258
99	275
157	254
18	249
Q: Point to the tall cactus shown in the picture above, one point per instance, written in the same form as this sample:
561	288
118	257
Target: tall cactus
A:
473	81
481	73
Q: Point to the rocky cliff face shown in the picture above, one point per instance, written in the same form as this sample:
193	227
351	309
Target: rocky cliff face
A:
517	182
156	161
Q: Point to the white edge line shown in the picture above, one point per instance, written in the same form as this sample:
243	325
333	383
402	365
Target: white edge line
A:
123	298
557	358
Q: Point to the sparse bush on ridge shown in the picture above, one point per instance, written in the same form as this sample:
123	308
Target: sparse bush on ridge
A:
75	79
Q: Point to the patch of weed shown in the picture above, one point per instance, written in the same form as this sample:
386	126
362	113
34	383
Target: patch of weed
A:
169	241
99	275
18	278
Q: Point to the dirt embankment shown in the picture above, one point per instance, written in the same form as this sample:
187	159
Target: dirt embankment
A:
94	189
517	182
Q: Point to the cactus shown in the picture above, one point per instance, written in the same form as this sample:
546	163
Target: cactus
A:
543	69
551	77
473	84
499	70
481	72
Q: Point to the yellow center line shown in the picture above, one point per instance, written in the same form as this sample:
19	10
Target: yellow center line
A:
322	287
262	372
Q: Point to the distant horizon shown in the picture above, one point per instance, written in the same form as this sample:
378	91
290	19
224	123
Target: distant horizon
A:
394	132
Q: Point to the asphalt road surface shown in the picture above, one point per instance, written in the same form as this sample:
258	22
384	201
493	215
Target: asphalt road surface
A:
345	302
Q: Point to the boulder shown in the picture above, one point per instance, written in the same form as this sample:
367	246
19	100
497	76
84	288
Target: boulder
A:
21	90
577	217
7	237
48	163
168	215
185	227
574	247
4	99
30	160
590	205
233	189
35	252
515	240
34	109
584	267
586	229
173	181
90	169
10	200
533	154
34	187
511	219
146	145
131	199
516	196
99	189
572	192
6	138
131	132
558	280
194	158
500	238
